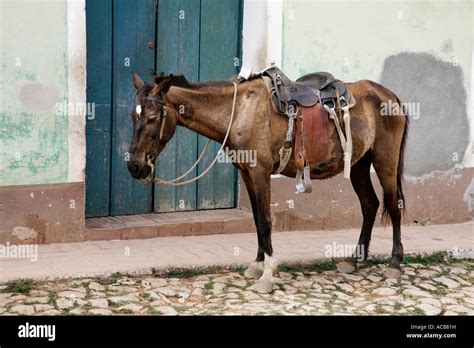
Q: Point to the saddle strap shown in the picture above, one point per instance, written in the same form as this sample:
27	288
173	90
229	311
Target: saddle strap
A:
346	143
348	150
334	117
268	85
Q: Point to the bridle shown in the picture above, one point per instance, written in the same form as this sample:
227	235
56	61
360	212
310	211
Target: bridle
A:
153	154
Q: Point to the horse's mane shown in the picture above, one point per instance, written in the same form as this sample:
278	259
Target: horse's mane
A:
182	81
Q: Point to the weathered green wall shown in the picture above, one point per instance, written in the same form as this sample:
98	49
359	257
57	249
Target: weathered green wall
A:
353	38
422	50
34	78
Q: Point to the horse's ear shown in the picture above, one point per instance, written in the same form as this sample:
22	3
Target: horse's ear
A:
137	81
164	85
159	78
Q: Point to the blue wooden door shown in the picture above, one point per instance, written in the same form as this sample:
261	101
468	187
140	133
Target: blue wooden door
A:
197	38
202	40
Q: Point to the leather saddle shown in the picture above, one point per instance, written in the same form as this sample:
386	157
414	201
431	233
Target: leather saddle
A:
310	102
305	91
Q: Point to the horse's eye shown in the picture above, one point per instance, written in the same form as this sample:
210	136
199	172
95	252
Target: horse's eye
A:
151	118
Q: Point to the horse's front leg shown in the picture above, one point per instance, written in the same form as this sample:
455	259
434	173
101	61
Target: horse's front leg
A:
258	185
255	269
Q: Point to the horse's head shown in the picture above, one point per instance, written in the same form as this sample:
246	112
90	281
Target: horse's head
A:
153	124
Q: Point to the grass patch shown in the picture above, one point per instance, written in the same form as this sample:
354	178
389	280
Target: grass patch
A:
398	305
425	260
20	286
418	311
185	272
126	311
445	272
118	275
428	260
152	310
114	305
182	273
239	269
52	297
112	279
305	268
374	262
145	296
208	286
329	305
440	291
181	309
88	293
379	309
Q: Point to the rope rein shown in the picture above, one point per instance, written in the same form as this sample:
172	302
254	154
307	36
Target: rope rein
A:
175	182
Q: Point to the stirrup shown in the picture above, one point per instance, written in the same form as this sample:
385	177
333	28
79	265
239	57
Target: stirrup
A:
303	180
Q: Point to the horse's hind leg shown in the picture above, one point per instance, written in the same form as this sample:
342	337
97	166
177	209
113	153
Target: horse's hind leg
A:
360	179
386	168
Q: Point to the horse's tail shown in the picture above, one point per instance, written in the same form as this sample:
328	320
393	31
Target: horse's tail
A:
401	163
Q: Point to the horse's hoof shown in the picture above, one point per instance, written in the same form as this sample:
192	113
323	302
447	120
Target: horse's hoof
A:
263	286
254	271
345	267
391	272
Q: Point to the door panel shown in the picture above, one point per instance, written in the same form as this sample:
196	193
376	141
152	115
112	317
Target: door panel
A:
99	94
134	28
177	53
219	59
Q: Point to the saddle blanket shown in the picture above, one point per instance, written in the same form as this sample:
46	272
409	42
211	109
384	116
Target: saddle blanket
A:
311	138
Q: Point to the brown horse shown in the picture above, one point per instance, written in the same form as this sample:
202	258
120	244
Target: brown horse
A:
206	108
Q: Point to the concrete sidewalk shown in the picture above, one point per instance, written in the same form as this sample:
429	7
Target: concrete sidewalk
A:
96	258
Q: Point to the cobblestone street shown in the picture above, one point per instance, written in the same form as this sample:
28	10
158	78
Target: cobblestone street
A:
431	288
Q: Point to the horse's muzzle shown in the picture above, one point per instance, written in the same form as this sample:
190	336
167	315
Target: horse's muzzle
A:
138	169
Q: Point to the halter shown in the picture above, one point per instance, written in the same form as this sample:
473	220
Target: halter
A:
162	117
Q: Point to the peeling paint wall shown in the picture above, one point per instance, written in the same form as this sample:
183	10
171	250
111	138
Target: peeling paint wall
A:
439	132
422	50
38	70
42	120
